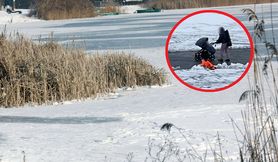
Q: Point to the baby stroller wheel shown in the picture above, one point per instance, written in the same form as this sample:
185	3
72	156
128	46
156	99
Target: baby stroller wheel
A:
212	57
197	57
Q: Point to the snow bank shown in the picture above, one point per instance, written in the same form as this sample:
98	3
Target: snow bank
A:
129	9
222	76
206	25
6	18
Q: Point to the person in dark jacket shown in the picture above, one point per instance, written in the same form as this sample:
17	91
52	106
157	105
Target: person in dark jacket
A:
225	40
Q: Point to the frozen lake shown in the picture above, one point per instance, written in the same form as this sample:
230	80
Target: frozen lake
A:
120	123
133	31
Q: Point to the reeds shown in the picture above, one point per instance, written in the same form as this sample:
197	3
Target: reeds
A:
110	7
63	9
257	137
179	4
47	72
176	144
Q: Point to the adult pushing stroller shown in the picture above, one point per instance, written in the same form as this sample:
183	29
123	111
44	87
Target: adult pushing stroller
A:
207	52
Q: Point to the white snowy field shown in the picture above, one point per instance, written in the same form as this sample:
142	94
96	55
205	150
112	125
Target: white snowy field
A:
120	123
203	78
206	25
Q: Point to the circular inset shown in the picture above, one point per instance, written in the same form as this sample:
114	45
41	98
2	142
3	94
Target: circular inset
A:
209	50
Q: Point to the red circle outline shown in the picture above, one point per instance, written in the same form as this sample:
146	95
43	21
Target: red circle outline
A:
217	12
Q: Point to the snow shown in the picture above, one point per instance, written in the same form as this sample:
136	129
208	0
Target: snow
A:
206	25
130	9
203	78
112	126
6	18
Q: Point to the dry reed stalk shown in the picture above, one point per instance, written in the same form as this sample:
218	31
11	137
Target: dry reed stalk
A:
61	9
179	4
110	7
42	73
259	142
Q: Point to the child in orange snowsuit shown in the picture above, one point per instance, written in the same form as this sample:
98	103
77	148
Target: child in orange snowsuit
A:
207	64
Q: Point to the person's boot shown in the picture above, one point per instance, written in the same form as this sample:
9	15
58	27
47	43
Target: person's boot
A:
220	61
228	61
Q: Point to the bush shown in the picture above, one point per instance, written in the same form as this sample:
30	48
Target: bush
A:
110	7
42	73
175	4
63	9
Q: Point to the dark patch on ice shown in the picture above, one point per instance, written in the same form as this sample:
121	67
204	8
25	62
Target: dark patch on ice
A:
185	59
138	19
132	33
1	138
57	120
118	38
106	34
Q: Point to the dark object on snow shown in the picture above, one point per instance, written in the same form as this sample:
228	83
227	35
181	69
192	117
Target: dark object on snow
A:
110	13
228	61
9	11
224	37
207	52
167	126
220	61
148	10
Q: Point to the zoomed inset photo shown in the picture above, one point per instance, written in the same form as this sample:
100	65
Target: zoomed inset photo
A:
209	50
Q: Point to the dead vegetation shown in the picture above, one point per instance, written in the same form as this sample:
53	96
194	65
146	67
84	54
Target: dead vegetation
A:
47	72
179	4
61	9
257	137
110	7
174	144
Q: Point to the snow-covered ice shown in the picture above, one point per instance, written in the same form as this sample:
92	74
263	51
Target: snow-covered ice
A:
114	126
203	78
206	25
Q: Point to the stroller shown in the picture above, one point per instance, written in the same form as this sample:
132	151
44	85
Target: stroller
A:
207	52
